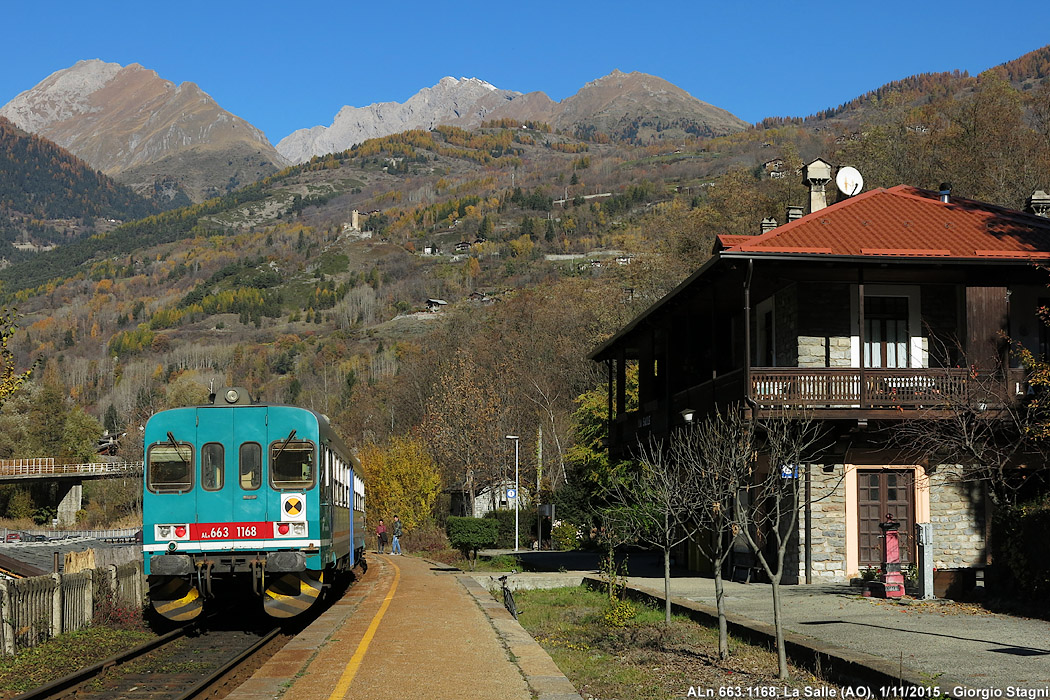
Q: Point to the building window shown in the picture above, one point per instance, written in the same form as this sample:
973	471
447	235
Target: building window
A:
886	332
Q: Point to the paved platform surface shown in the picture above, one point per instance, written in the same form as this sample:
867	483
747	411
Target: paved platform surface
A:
945	642
409	629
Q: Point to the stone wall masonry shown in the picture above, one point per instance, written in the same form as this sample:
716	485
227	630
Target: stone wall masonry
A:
820	351
828	497
811	351
957	512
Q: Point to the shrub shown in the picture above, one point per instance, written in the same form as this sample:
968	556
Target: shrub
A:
429	538
564	535
1019	541
469	534
619	614
526	527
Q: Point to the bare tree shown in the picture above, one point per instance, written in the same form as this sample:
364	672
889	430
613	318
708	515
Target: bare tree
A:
979	431
767	510
660	500
719	453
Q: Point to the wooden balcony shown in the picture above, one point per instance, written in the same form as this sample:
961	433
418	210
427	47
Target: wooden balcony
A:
827	393
867	389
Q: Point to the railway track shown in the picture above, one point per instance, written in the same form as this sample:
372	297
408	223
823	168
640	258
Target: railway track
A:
207	658
194	661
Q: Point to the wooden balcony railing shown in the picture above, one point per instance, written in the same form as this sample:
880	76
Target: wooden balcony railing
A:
868	388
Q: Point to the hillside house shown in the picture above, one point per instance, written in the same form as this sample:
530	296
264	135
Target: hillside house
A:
487	498
861	314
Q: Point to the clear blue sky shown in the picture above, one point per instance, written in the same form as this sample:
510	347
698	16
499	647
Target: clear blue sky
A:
284	66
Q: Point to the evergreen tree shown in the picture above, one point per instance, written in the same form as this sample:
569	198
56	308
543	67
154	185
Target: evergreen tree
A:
111	422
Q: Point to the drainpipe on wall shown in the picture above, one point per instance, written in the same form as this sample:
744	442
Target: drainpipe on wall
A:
809	524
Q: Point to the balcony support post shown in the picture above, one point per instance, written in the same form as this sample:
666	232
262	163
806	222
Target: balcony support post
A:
860	336
749	397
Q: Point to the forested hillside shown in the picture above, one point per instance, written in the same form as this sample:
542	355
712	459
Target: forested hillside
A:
542	244
49	196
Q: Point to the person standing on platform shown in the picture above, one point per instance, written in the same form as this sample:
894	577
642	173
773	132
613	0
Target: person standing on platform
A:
395	542
381	536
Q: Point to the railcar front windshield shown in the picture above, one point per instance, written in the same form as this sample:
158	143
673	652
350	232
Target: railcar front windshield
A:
292	464
169	467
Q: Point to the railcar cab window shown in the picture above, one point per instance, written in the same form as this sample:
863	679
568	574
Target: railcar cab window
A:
213	462
251	466
169	467
292	464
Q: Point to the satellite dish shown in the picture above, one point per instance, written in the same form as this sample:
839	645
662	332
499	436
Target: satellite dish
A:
849	181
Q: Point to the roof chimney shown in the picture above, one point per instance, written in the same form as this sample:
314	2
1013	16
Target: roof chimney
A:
817	174
1039	204
767	225
794	213
946	192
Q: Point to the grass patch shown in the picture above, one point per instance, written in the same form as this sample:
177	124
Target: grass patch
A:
626	651
63	655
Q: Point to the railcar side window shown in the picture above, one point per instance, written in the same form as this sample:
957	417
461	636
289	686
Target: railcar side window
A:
213	461
251	465
169	468
292	464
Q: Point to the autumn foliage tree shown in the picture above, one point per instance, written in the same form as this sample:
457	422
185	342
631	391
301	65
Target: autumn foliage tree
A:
463	424
402	480
10	379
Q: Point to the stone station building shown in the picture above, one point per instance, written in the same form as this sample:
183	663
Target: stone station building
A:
881	308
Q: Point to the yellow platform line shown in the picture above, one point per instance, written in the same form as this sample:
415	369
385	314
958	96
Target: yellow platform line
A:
355	661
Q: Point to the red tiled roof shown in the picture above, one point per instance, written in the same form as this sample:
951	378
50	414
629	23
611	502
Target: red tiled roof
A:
905	222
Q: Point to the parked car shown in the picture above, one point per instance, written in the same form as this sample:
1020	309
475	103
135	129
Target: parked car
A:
13	537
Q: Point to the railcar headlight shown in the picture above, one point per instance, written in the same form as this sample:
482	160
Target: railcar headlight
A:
232	396
164	531
300	528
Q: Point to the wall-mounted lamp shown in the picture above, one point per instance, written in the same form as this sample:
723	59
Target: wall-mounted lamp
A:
688	414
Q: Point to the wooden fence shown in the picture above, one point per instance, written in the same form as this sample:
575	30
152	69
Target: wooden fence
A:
33	610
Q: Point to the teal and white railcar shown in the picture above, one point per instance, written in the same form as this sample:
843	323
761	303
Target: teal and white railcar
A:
265	497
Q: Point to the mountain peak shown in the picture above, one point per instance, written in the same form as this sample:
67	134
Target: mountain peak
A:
462	101
449	82
122	118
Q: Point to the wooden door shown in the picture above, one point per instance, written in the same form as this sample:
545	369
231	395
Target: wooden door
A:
986	318
882	492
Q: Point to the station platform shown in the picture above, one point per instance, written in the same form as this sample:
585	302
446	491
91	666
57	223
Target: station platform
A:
410	629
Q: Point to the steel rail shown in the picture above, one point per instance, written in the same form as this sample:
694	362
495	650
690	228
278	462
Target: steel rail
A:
56	687
229	666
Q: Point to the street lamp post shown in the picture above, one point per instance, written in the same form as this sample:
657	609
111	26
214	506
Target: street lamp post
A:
516	494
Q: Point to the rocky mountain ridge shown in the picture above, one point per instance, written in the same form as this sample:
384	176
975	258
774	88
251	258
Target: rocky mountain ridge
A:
465	101
123	119
619	104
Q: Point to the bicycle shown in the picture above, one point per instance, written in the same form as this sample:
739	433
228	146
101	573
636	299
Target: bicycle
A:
508	597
